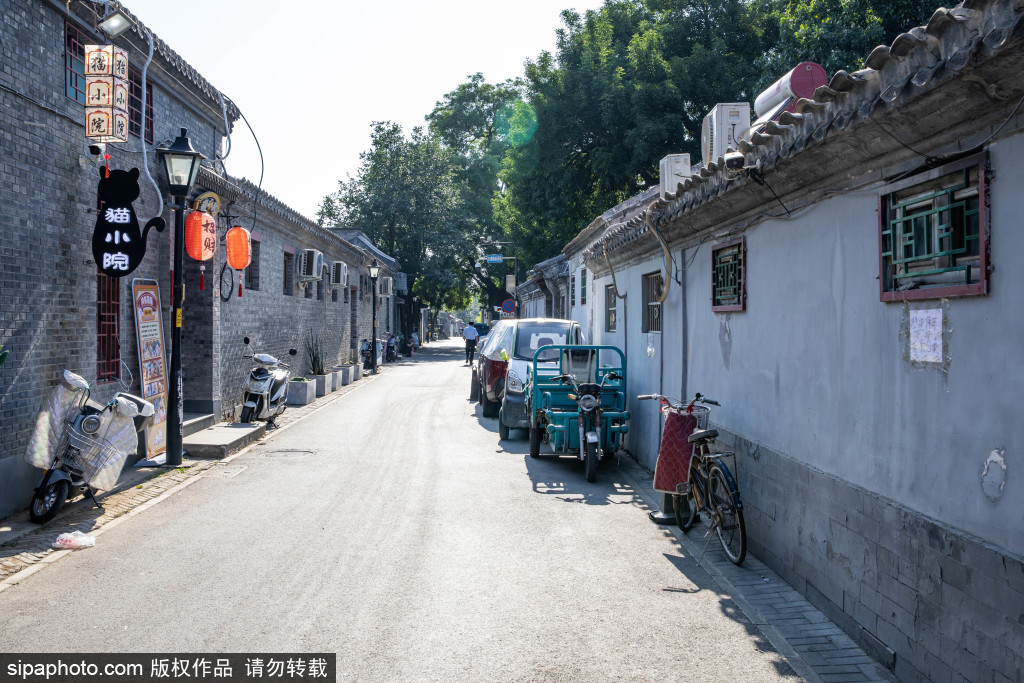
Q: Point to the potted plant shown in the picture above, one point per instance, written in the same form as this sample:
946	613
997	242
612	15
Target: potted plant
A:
346	373
315	360
301	391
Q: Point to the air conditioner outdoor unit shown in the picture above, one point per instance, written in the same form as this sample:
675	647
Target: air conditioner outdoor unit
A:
385	286
722	129
674	169
339	274
309	265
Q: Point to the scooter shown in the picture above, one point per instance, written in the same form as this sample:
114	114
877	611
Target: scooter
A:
266	388
364	353
81	446
392	352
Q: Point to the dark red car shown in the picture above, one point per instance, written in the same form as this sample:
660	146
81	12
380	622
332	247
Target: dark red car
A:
513	342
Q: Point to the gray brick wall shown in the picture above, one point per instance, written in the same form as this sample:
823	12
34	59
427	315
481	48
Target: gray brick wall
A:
931	603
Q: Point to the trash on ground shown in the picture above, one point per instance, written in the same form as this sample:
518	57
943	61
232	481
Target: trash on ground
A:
74	541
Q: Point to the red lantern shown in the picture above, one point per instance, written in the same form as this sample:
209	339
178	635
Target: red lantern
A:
239	251
200	235
201	240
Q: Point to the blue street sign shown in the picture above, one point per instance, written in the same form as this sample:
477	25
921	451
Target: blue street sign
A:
494	258
508	305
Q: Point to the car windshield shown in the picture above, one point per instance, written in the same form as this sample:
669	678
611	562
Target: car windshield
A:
532	336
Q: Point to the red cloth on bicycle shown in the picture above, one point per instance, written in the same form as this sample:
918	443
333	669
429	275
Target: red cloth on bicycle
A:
673	466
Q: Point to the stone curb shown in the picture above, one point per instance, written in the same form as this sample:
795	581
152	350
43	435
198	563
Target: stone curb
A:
34	550
752	585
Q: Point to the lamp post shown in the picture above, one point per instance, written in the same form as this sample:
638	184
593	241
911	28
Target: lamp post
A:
374	274
181	162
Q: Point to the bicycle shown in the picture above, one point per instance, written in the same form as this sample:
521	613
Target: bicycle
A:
710	486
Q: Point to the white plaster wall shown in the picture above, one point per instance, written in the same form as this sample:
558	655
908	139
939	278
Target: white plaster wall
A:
815	368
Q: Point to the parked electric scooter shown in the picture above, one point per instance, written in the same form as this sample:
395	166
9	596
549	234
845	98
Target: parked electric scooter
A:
81	446
392	352
266	388
364	353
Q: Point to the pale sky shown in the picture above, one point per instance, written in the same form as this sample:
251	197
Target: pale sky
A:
311	76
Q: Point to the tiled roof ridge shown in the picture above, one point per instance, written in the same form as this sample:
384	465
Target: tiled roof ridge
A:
245	188
916	61
178	63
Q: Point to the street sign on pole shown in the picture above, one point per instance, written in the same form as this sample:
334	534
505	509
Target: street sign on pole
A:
495	258
508	305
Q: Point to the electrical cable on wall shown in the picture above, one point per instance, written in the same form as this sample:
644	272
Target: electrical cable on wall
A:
142	132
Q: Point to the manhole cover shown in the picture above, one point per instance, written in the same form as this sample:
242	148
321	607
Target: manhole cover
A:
287	453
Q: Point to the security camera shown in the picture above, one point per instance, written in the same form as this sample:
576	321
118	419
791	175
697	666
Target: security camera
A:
98	149
734	161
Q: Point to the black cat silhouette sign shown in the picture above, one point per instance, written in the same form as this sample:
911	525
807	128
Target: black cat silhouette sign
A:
118	245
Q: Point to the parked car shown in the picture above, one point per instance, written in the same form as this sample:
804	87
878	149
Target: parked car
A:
504	364
483	329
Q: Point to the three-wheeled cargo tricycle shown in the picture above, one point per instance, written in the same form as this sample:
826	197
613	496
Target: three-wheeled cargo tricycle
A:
581	405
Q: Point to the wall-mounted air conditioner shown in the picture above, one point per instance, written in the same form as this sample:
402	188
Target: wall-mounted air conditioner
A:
309	265
339	274
722	129
385	286
673	169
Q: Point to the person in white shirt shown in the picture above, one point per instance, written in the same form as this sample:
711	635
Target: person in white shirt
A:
470	334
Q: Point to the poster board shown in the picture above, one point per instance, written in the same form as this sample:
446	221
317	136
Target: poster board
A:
149	333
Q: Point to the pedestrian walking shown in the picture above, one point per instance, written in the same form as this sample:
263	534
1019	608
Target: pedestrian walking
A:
470	334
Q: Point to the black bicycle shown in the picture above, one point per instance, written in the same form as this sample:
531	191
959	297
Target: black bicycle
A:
711	489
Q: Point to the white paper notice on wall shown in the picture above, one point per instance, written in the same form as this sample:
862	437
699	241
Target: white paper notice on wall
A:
926	335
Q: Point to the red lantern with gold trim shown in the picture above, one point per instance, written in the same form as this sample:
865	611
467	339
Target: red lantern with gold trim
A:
239	251
201	240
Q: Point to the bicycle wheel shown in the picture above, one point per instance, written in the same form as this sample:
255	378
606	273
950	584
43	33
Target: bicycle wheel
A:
686	511
732	532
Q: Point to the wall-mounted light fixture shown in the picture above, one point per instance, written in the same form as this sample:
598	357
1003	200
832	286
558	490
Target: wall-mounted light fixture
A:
114	22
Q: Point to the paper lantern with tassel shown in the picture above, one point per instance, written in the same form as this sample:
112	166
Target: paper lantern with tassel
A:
201	240
239	251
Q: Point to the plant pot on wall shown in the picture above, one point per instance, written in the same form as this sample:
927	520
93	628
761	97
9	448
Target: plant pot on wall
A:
301	392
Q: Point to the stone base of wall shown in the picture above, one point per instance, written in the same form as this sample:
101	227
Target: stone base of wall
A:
927	601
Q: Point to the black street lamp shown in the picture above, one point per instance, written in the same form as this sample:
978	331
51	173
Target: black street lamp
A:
374	274
182	165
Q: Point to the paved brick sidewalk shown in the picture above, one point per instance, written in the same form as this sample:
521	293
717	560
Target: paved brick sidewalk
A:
24	544
817	649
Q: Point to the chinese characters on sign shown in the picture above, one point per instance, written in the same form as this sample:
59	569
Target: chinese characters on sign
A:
106	93
150	335
926	335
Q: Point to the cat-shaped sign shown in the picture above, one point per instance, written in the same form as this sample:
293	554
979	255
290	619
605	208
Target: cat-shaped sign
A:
117	243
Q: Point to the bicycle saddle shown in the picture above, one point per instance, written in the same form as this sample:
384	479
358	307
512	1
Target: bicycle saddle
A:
701	434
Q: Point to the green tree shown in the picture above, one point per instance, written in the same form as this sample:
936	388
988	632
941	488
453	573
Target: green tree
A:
408	198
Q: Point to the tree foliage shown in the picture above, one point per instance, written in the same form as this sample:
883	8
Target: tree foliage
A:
532	161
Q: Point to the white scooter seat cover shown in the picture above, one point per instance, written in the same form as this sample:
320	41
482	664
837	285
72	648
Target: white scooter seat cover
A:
265	359
64	400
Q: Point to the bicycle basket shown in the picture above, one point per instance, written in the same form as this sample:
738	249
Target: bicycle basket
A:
701	413
98	461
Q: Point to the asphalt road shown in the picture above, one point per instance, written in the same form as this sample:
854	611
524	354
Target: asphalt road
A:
394	529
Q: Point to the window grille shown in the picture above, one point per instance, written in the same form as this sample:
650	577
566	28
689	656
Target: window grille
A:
320	289
135	105
652	287
74	62
252	272
108	328
932	234
572	291
728	277
611	304
289	274
583	286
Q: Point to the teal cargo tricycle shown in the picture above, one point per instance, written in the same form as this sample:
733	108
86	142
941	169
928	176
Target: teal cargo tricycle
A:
581	405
